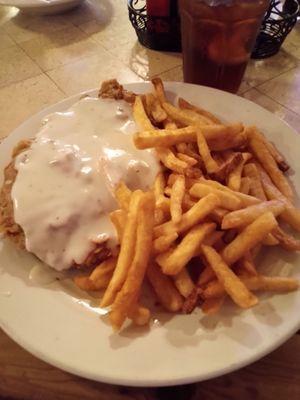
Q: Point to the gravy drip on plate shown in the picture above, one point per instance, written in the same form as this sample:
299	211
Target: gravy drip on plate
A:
64	189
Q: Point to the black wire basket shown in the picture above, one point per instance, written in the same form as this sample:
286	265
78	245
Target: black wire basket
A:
277	24
157	33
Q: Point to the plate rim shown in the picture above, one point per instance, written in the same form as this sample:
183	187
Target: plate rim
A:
56	362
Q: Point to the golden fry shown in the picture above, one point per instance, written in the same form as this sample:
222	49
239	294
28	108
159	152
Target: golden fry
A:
286	241
184	283
118	218
245	185
182	103
233	286
167	294
168	158
246	216
227	200
177	194
211	165
139	115
163	243
143	247
212	306
263	155
193	216
126	251
256	188
139	315
123	194
159	89
185	116
235	176
218	137
188	159
291	214
174	260
105	268
265	283
227	166
245	199
252	235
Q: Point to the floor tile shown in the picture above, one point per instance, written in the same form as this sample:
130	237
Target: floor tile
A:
89	72
15	65
285	89
20	100
290	117
259	71
292	43
23	27
5	40
59	48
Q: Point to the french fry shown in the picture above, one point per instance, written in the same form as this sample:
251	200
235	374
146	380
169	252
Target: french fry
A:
131	287
246	216
233	286
245	199
177	194
206	276
227	166
245	185
163	243
252	235
218	214
139	315
83	282
211	165
118	218
159	89
189	150
255	283
218	137
235	176
168	158
123	194
184	283
291	214
193	216
227	200
187	202
286	241
185	116
139	114
164	288
256	188
188	159
126	251
246	266
212	306
105	268
182	103
159	186
270	240
191	301
193	173
174	260
281	162
157	113
263	155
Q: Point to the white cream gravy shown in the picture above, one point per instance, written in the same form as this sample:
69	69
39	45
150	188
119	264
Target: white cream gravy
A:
64	189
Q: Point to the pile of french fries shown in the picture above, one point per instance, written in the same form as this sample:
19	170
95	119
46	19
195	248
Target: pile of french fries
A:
194	237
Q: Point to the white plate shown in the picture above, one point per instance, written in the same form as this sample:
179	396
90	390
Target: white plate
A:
60	326
42	6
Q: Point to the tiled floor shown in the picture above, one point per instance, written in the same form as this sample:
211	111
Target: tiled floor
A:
44	59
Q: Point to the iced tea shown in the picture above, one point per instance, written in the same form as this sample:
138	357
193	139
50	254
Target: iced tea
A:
217	40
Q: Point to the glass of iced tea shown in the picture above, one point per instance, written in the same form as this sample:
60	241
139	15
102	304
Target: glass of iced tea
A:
217	39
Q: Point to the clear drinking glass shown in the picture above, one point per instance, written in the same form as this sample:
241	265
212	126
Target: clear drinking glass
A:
217	40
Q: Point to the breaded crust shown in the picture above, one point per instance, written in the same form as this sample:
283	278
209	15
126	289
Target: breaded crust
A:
12	230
